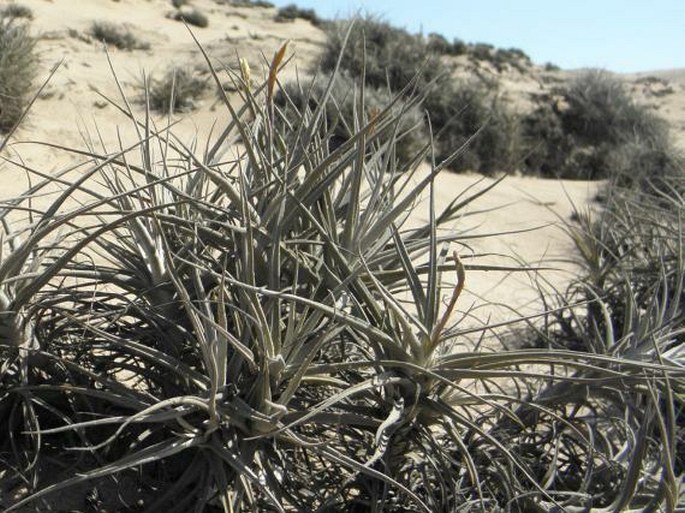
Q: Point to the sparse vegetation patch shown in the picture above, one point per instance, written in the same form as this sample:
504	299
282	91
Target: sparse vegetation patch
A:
192	16
343	117
16	11
247	3
439	44
396	59
178	90
119	36
17	70
592	129
292	12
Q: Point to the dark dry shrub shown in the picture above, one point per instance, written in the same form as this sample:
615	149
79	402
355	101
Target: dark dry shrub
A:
16	11
500	58
17	70
118	36
648	166
246	3
439	44
592	129
513	54
499	143
467	116
179	3
393	57
551	152
481	52
298	100
291	12
192	17
601	111
513	57
177	91
546	146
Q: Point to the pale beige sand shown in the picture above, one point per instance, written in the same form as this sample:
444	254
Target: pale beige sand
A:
518	223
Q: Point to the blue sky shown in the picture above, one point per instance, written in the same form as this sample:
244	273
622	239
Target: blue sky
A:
619	35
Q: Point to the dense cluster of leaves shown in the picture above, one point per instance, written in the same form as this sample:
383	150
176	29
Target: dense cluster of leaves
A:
632	292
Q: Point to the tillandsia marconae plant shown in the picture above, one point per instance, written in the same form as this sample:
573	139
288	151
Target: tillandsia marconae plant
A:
231	327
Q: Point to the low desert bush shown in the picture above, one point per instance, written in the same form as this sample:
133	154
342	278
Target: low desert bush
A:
119	36
192	16
16	11
343	119
291	12
457	111
599	111
247	3
439	44
468	117
177	90
512	57
481	51
500	58
394	59
390	57
179	3
647	166
17	70
233	330
592	129
547	147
